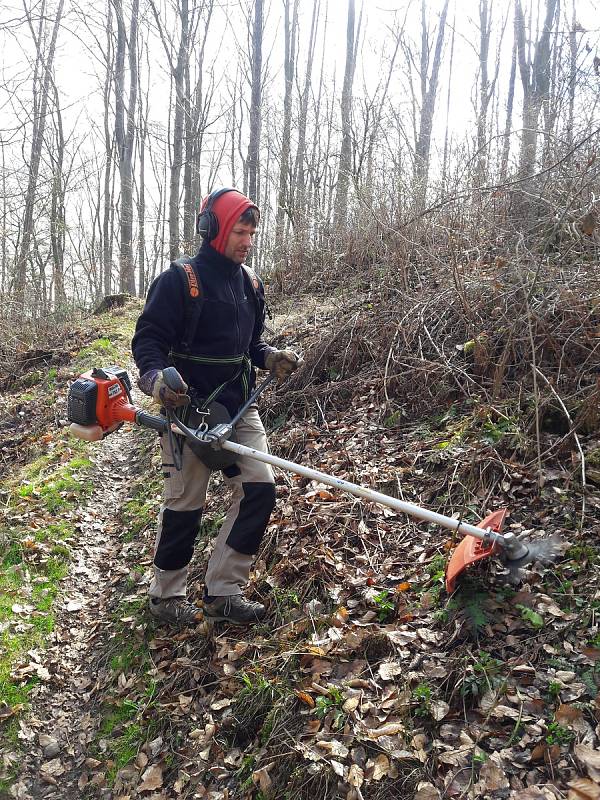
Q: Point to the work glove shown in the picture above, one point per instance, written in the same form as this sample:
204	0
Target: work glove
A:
282	363
153	383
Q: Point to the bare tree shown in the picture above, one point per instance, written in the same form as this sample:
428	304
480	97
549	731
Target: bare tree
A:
345	163
429	87
57	208
299	182
446	156
535	80
125	132
509	111
289	64
107	206
42	85
143	111
179	67
253	159
197	121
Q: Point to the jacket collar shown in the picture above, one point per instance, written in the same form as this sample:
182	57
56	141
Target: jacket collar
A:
211	257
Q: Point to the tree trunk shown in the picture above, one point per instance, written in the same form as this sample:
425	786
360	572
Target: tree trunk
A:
345	163
143	133
572	77
125	116
41	92
446	157
485	27
253	161
535	80
197	120
283	201
299	170
509	111
178	73
57	212
429	86
107	230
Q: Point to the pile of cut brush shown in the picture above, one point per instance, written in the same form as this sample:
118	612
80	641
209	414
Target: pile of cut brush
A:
512	338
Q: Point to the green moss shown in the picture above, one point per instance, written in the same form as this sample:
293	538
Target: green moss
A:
13	693
60	490
31	583
100	352
126	731
81	462
118	714
125	748
31	378
592	458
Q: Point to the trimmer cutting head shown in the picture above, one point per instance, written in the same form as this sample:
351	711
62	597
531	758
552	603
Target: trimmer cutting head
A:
517	553
539	551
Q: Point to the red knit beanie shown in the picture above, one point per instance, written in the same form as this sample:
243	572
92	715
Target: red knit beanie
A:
227	208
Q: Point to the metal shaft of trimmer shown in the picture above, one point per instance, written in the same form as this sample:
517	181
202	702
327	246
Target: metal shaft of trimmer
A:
507	541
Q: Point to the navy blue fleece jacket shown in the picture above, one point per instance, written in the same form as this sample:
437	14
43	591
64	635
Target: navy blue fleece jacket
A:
229	326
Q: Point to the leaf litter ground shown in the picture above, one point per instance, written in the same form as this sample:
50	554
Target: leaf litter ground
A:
365	680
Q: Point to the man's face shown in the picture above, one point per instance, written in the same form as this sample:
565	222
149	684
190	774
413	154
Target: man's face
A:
239	242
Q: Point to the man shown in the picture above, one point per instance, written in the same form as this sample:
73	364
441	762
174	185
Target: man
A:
220	357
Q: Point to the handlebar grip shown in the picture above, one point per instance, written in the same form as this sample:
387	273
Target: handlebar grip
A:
173	379
153	421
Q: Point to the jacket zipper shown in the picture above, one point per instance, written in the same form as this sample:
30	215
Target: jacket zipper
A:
239	335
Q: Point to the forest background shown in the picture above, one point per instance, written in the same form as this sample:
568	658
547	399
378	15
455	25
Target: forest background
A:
353	126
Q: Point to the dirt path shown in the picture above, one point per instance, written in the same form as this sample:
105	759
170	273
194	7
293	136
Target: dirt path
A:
63	718
61	734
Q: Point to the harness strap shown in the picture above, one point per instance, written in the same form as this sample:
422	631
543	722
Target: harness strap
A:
194	300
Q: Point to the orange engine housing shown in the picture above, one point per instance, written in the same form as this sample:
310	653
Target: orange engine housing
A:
100	397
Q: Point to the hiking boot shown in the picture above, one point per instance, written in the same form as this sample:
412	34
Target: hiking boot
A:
175	611
233	608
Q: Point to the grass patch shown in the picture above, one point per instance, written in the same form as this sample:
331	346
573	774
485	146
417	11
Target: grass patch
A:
128	723
140	513
98	353
28	587
33	563
251	708
125	732
61	489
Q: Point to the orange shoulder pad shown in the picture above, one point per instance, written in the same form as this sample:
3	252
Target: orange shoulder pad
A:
192	280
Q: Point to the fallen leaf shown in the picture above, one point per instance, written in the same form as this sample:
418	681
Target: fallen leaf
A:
219	705
390	670
351	704
391	729
337	768
381	767
305	698
439	709
53	768
583	789
152	779
262	779
567	715
7	711
492	778
427	791
589	757
356	776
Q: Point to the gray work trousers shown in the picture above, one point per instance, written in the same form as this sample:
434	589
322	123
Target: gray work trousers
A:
239	537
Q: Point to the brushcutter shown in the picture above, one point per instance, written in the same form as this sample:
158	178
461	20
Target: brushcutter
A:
99	403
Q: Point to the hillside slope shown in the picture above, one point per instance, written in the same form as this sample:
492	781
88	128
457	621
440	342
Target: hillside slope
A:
366	680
